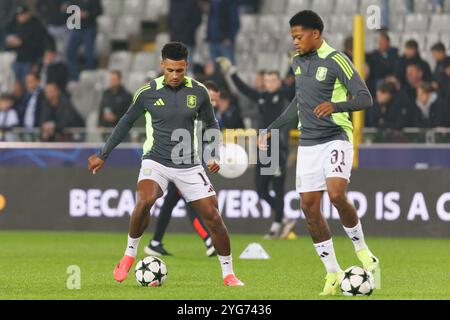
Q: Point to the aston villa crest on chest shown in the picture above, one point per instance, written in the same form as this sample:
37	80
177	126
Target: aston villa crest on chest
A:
191	101
321	74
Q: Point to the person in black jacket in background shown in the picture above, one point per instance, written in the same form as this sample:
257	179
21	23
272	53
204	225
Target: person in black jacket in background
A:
54	14
431	110
185	18
27	37
271	103
382	62
115	102
90	10
54	69
389	110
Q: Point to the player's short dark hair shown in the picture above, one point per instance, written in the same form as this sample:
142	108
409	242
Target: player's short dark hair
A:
307	19
438	47
211	85
175	51
387	87
412	44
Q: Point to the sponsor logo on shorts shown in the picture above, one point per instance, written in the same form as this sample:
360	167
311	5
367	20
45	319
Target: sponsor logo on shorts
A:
147	172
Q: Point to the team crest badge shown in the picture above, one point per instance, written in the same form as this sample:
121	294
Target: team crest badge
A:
191	101
321	73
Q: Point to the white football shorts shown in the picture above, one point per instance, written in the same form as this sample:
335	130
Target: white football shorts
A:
193	183
317	163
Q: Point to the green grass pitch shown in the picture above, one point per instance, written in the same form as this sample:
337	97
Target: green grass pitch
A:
33	265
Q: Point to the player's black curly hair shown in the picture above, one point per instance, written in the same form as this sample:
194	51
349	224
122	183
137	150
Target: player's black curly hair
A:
175	51
307	19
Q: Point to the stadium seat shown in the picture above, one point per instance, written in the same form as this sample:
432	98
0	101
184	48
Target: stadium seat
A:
135	80
273	7
6	60
398	7
159	6
432	39
342	24
417	22
249	23
445	39
112	8
323	6
134	7
397	23
244	43
422	6
126	26
268	61
295	6
161	39
336	40
440	23
419	37
106	24
268	43
395	39
347	6
120	60
269	24
103	44
146	61
366	3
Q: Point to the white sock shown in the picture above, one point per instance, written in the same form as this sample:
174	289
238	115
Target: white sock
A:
226	263
275	227
155	243
208	242
357	236
132	246
325	250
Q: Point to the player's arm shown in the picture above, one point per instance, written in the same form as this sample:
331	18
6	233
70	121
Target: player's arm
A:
228	68
244	88
206	115
96	162
350	78
286	117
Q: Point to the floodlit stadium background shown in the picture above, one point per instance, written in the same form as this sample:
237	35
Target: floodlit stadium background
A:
129	38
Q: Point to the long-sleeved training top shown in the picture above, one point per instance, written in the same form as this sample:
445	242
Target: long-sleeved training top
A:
167	109
324	75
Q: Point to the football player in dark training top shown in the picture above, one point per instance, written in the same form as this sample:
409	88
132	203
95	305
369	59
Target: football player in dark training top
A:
172	105
323	78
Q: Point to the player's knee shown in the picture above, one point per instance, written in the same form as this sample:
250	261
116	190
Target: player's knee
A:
308	206
146	202
213	218
338	199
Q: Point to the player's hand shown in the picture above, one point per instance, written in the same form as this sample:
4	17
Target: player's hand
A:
324	109
213	166
262	140
95	163
225	64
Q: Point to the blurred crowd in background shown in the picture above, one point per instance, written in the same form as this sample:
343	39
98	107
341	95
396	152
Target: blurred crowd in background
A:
49	60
